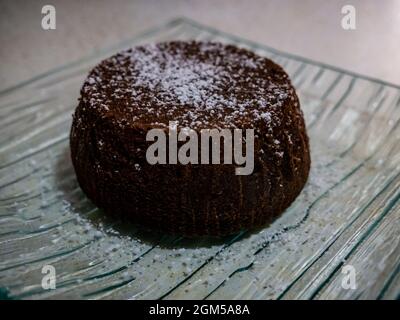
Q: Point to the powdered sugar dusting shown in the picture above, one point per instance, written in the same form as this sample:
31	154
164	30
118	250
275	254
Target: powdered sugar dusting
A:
197	84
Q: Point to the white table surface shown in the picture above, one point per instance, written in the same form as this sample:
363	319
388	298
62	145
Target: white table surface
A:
307	28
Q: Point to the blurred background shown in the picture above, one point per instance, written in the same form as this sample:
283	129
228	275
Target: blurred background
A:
309	28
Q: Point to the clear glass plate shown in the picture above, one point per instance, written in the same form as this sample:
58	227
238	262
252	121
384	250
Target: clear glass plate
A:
348	214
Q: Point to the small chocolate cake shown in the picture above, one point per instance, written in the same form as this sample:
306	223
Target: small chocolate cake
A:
197	85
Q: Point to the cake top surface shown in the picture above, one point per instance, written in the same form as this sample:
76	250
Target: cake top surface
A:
197	84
